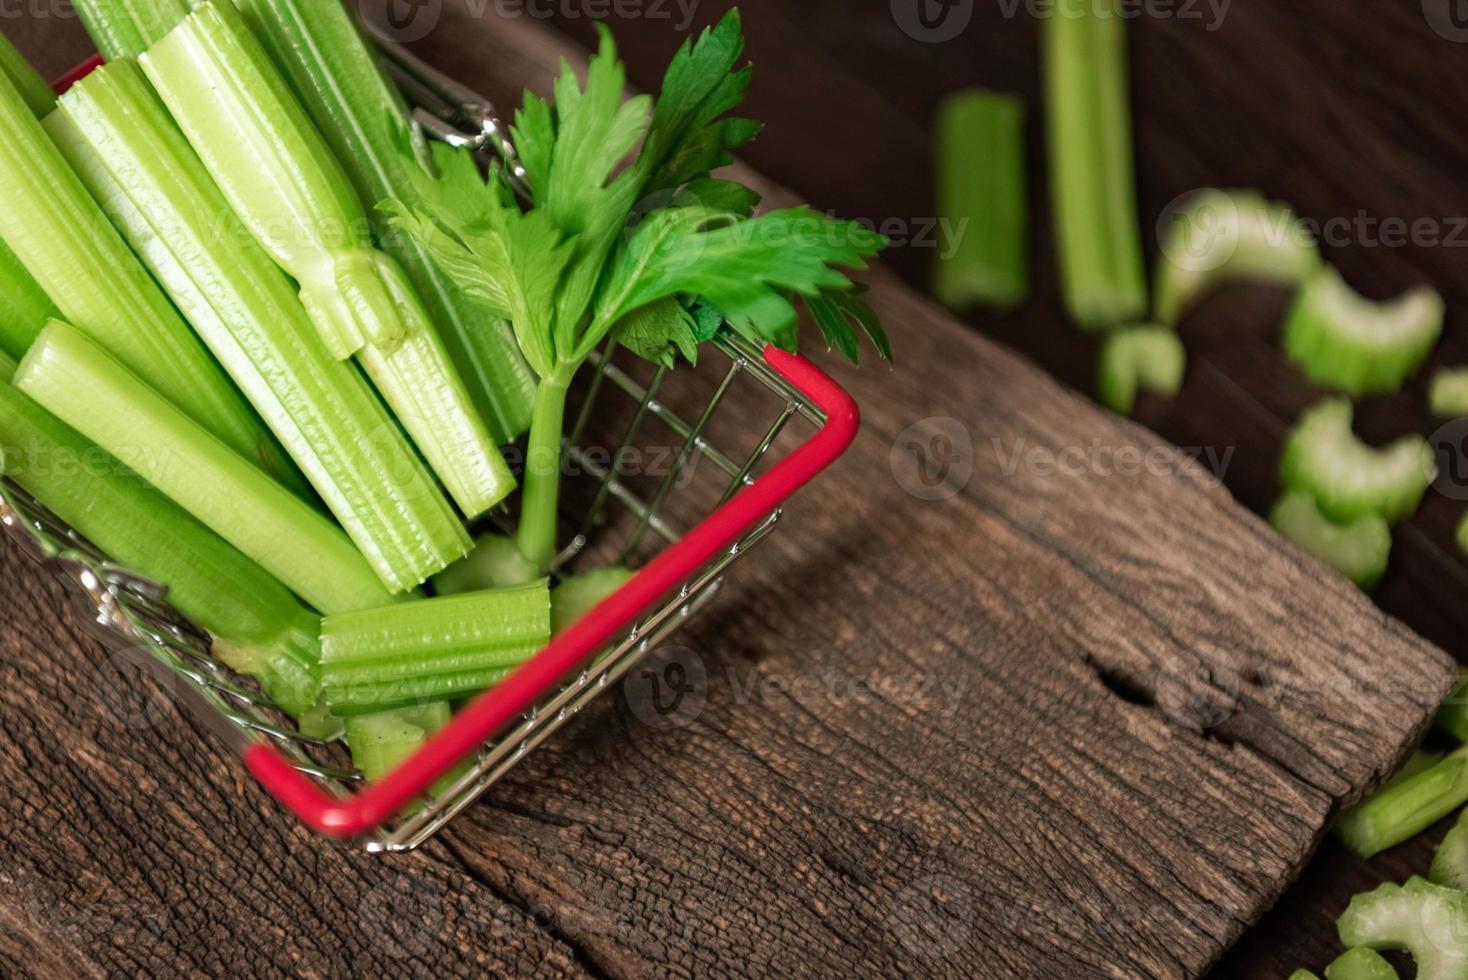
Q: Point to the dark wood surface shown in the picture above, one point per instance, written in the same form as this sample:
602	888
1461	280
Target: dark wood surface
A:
1111	713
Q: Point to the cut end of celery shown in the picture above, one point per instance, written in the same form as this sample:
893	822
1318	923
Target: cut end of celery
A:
1359	550
1448	396
1139	358
495	563
575	597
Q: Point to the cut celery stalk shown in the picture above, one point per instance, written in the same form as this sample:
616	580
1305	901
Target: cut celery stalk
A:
257	625
7	367
24	305
280	177
1348	478
1402	811
431	650
1360	963
342	87
38	96
1344	341
1427	920
1452	717
1219	236
65	241
982	194
1098	241
1359	550
381	742
1147	358
574	597
120	140
495	563
1448	396
127	28
1450	863
88	389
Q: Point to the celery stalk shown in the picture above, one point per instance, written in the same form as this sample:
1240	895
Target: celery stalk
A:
88	389
1427	920
280	177
574	597
495	563
257	625
1407	808
1452	717
1137	358
341	85
981	191
1348	478
123	28
65	241
24	305
430	650
27	81
1098	240
1361	963
1450	863
123	144
380	742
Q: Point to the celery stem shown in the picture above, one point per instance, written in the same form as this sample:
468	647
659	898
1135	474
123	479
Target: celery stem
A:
537	534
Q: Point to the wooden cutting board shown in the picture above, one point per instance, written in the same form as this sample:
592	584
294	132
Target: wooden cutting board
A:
1062	710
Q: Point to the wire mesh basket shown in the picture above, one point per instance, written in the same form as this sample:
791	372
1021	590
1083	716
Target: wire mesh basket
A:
717	450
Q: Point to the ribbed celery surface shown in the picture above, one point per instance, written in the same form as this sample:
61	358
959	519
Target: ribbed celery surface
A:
257	625
88	389
282	180
1093	186
1427	920
65	241
24	305
32	87
340	83
430	650
982	194
121	28
122	142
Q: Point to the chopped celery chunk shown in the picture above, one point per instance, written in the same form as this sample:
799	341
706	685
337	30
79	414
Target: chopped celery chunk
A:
982	194
1361	963
24	306
1344	341
1349	479
574	597
495	563
1450	863
1359	550
1223	235
1406	808
1147	358
1428	921
380	742
1448	396
127	28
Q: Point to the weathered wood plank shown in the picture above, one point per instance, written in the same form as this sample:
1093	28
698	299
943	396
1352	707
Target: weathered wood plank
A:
1083	716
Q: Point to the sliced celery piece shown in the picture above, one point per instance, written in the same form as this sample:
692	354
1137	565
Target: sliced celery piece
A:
24	305
1359	550
1427	920
1303	975
121	141
280	177
27	81
430	650
359	112
1088	108
1348	478
1448	396
65	241
1149	358
257	625
1219	236
88	389
982	194
1450	863
381	742
574	597
1402	811
1452	717
1360	963
495	563
124	28
1344	341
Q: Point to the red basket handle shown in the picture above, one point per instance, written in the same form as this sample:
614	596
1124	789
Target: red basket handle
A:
501	705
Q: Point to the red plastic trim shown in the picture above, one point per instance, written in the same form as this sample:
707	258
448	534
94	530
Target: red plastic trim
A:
500	706
77	74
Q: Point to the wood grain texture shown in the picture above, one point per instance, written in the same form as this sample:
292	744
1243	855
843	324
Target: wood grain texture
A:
1082	717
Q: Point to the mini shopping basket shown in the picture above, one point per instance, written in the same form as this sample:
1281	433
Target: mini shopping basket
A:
685	569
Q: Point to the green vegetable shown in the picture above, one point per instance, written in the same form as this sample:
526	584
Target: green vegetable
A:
1349	479
381	742
280	177
495	563
258	627
1303	975
27	81
1219	236
1428	921
1342	340
1448	396
1450	863
65	241
1150	358
1404	810
120	140
571	271
123	28
1418	761
81	384
1359	550
1452	717
1360	963
1093	197
430	650
574	597
340	83
24	305
982	193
